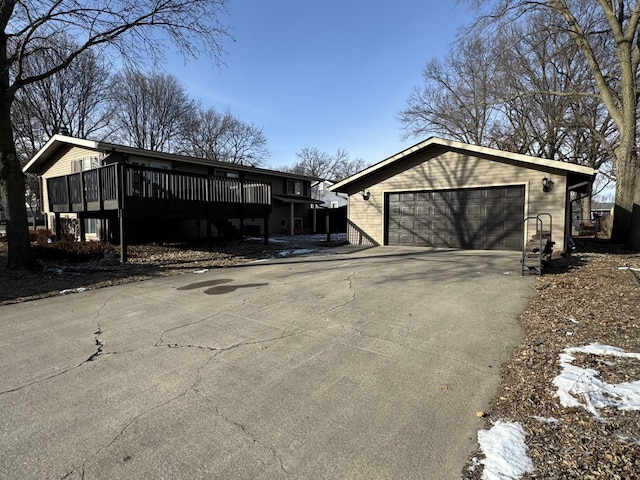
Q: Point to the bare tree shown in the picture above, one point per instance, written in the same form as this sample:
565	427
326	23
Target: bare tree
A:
223	137
457	98
606	33
319	164
133	29
151	111
534	101
74	100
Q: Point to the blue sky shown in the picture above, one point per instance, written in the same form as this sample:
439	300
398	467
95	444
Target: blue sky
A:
327	74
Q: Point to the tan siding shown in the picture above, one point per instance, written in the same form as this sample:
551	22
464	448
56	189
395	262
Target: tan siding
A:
453	170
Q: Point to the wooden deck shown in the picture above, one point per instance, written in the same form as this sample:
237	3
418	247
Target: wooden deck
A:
146	191
126	192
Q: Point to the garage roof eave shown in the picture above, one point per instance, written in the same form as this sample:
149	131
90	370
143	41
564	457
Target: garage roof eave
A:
526	160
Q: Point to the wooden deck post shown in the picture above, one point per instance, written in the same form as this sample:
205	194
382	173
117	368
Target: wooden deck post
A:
266	230
121	208
83	228
292	219
209	235
123	237
58	226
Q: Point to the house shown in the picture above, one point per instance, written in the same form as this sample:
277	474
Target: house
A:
441	193
331	215
129	195
599	210
320	191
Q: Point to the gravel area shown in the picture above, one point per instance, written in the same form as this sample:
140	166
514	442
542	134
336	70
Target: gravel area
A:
591	297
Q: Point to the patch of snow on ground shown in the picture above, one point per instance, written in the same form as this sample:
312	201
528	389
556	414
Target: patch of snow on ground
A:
505	451
548	420
582	387
298	251
72	290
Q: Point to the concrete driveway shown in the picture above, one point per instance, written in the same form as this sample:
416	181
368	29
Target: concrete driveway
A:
361	365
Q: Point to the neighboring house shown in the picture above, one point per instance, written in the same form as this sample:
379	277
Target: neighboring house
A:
441	193
320	191
601	209
34	217
332	212
127	194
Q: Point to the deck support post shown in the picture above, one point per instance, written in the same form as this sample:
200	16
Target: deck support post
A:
292	220
209	235
58	226
123	237
82	227
266	230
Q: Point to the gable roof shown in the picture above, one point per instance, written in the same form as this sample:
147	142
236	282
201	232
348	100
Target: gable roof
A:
499	155
58	143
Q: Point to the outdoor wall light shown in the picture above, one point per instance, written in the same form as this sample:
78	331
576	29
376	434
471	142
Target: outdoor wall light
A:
547	184
366	194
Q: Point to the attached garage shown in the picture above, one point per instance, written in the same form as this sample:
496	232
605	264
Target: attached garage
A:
474	218
446	194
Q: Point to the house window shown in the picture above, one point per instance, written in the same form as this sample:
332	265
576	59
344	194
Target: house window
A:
294	187
91	225
227	174
85	163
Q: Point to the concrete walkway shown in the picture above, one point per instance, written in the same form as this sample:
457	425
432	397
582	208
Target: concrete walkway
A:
363	364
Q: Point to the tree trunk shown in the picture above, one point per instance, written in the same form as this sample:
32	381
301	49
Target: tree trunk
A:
20	255
626	214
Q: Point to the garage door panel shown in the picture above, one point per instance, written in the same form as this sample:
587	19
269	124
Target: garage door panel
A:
512	226
483	218
493	211
423	210
511	243
422	240
512	209
423	226
441	209
474	210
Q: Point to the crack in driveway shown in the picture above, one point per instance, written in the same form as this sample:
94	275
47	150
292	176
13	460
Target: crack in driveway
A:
218	350
99	351
349	280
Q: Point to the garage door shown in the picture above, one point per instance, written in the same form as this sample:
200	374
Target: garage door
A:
479	218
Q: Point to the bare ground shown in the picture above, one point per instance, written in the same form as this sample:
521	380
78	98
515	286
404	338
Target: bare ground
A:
590	297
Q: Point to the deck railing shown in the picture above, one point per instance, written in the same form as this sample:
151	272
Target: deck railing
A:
109	187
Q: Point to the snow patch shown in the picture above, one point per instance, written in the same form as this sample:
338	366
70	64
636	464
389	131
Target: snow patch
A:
547	420
72	290
505	450
298	251
583	387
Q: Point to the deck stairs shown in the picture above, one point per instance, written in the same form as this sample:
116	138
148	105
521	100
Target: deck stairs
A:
226	229
539	248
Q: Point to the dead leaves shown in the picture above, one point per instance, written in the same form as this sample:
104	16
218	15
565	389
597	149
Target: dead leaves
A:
591	302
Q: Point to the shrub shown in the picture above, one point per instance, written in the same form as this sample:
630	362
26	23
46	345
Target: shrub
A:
41	236
71	251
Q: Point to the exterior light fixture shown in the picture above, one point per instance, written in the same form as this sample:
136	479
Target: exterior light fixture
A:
366	194
547	184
